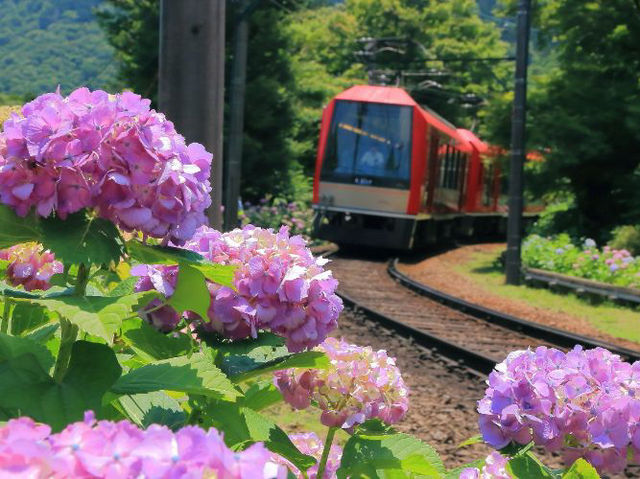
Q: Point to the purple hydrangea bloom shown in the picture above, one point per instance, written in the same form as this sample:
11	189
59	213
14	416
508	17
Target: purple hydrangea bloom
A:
104	449
279	286
107	152
584	403
311	445
360	384
30	266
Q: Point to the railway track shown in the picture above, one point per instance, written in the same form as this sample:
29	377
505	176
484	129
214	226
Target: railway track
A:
474	336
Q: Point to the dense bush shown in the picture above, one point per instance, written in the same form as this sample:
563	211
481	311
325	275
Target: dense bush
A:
626	237
560	255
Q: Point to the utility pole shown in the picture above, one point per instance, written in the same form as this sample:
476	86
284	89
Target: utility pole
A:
191	79
233	164
518	123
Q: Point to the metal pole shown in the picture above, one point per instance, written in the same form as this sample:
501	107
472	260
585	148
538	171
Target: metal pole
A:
191	79
233	164
518	123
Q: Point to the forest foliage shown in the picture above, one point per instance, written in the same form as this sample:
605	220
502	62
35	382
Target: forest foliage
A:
584	80
46	43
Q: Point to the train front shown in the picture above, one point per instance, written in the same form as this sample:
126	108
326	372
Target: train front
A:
362	184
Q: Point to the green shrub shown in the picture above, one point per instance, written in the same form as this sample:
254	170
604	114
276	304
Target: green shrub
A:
626	237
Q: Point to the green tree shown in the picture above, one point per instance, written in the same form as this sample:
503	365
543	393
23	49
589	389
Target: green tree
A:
132	28
325	40
586	109
49	43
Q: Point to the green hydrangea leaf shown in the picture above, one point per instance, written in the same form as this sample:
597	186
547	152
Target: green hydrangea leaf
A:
81	239
389	455
99	316
153	254
15	230
581	469
27	389
243	426
153	408
193	375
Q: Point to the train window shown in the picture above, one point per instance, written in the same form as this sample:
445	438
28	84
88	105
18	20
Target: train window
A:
369	143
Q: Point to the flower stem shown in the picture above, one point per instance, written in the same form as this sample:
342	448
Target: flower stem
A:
325	452
4	326
81	280
68	335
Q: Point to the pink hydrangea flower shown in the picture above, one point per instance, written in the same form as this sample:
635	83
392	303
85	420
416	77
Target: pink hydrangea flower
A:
30	266
107	152
360	384
279	286
311	445
494	468
585	403
105	449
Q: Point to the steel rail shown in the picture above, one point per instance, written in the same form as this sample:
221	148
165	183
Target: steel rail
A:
477	363
553	335
583	286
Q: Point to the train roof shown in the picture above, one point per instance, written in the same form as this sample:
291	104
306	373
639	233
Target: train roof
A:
472	139
397	96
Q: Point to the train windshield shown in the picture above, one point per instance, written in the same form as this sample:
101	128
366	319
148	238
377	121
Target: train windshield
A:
369	144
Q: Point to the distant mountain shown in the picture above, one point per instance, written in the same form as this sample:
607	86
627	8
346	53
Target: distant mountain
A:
46	43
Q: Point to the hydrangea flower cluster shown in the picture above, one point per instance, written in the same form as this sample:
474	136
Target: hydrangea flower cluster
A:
30	266
360	384
108	152
279	286
585	403
494	468
104	449
558	254
311	445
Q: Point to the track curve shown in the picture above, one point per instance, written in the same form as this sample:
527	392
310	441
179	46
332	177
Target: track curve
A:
365	284
476	337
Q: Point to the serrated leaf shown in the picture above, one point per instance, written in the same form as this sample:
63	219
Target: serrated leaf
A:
526	466
15	230
307	360
243	426
395	455
99	316
152	345
191	293
27	389
153	254
193	375
513	449
124	287
81	239
244	355
153	408
27	316
581	469
261	395
13	346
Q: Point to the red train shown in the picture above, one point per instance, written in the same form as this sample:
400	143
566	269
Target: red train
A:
390	173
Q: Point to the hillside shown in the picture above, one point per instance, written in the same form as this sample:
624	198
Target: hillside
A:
45	43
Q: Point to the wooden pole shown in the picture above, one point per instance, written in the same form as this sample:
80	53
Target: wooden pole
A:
191	79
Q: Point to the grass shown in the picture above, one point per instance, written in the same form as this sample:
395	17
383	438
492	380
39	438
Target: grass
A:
607	317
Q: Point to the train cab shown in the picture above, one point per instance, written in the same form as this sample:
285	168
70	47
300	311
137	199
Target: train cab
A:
390	173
